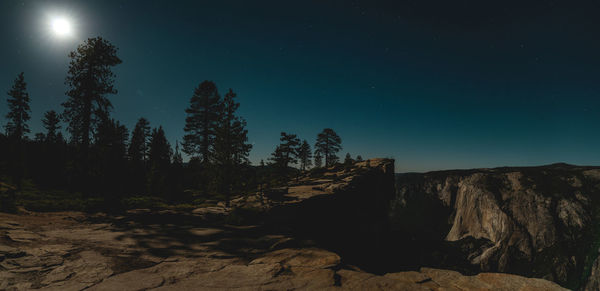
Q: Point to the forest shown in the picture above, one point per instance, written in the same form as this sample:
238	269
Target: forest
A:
99	164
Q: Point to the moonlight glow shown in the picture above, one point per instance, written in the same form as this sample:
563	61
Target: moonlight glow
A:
61	27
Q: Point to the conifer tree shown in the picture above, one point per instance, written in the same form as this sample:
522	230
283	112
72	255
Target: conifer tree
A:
16	128
286	152
51	124
176	176
177	159
18	109
160	150
159	160
202	121
305	155
359	158
318	159
89	79
140	138
109	154
328	144
348	160
231	147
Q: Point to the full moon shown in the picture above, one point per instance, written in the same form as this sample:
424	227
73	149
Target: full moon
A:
61	27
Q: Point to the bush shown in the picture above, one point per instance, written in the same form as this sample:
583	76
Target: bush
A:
7	201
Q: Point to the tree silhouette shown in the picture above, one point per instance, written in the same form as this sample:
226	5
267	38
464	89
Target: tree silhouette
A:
175	176
318	159
328	144
202	121
110	158
348	160
231	147
90	79
359	158
286	152
140	138
138	156
177	159
305	155
51	170
160	161
19	111
18	115
51	124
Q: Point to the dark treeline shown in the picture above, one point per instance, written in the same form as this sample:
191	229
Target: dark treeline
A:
101	158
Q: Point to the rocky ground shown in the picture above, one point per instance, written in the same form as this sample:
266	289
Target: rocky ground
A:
145	250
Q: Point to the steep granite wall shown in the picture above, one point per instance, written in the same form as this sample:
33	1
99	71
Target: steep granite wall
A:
536	222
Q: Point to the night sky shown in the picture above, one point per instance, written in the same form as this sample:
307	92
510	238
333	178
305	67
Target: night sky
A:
433	84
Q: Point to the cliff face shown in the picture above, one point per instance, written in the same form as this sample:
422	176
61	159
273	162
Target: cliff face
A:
593	282
537	222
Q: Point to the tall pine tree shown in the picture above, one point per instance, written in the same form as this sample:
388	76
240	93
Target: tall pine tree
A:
109	161
328	144
318	159
286	152
90	79
51	124
160	161
305	155
202	121
175	177
18	109
231	147
140	139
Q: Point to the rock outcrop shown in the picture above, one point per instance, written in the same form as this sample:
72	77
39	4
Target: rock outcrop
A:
536	222
593	282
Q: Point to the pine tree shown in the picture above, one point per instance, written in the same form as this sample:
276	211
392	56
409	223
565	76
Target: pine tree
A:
160	150
18	115
51	124
286	152
348	160
176	176
159	160
90	79
18	109
140	138
231	147
109	161
328	144
318	160
113	135
359	158
305	155
202	121
177	159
